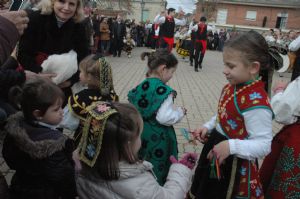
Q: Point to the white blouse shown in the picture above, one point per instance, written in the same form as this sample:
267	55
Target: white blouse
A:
286	104
161	19
168	114
258	123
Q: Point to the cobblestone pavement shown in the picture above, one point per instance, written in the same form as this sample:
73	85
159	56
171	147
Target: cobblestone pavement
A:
197	92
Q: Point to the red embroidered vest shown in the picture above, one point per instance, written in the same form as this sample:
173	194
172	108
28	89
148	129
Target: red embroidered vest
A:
232	103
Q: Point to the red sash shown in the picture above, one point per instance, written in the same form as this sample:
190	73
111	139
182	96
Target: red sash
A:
204	44
170	42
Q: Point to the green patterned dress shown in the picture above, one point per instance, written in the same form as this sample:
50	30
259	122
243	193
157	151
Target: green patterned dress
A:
158	141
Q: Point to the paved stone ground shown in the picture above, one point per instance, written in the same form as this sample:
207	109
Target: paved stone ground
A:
197	92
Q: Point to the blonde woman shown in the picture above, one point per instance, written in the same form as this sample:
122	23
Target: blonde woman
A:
53	28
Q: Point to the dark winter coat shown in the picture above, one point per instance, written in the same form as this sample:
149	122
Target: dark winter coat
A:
45	37
9	36
42	158
122	31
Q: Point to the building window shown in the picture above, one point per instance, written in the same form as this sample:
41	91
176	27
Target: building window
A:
251	15
281	20
145	15
222	16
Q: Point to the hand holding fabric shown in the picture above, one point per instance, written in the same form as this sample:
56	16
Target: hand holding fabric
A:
189	160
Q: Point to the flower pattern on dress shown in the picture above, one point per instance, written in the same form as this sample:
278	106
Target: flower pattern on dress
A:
243	171
258	191
255	95
102	108
232	124
90	149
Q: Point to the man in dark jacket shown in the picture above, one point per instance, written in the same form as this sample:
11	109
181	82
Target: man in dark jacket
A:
119	32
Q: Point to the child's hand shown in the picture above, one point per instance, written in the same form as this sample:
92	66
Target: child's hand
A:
189	160
220	151
76	159
65	84
200	134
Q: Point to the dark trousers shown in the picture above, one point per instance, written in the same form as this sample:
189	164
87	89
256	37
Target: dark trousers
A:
154	43
118	45
105	45
192	52
198	55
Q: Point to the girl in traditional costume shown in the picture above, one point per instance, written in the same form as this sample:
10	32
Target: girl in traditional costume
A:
128	45
280	171
108	152
95	72
154	100
241	132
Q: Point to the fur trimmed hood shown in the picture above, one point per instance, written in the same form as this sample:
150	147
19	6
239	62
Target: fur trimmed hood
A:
16	128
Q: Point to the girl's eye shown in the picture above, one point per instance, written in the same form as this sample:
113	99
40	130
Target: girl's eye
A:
61	1
231	66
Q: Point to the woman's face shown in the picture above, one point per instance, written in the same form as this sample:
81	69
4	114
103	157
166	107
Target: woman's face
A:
65	9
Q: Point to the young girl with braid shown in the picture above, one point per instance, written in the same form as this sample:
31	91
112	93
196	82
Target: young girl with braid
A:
96	74
154	100
241	131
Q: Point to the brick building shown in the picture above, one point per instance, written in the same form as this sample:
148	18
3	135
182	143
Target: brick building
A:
140	10
283	14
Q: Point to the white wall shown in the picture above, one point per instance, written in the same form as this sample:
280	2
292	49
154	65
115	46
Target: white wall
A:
152	6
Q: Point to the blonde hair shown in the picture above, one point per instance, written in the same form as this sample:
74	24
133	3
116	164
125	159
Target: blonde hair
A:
46	8
100	70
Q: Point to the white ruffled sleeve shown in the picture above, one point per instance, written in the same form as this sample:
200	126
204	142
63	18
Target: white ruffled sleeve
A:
180	22
159	19
211	124
167	114
286	104
258	124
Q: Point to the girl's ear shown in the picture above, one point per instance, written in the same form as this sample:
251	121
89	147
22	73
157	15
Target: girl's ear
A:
255	67
37	114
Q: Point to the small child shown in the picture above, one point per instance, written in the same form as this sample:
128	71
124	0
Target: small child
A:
96	73
40	154
154	100
128	45
241	132
281	168
109	155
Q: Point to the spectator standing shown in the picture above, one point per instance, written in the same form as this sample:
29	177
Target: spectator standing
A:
119	32
55	28
104	36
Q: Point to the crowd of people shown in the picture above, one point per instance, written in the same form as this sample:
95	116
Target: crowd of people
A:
129	150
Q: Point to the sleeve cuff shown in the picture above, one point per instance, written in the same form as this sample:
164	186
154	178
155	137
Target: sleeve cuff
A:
232	146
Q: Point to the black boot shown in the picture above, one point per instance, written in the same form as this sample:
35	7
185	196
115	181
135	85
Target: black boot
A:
196	67
200	61
191	63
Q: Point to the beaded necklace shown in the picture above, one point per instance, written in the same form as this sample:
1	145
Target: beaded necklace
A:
221	107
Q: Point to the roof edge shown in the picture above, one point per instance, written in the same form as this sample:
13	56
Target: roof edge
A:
261	4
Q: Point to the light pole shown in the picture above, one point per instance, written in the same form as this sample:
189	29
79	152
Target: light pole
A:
142	9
